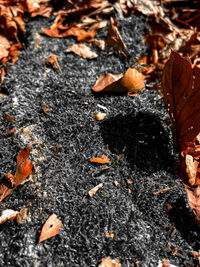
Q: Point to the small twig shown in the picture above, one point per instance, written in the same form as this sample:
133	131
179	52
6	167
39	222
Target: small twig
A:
163	190
108	167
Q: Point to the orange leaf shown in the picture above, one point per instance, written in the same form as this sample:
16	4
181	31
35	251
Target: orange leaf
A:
82	50
9	118
102	160
24	168
114	38
10	131
108	262
132	81
53	59
50	228
99	116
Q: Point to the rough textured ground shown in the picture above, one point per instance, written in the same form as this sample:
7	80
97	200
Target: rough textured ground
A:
134	126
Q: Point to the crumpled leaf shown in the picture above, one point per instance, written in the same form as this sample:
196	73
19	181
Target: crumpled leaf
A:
24	169
82	50
114	38
9	118
131	82
53	60
181	88
8	215
102	160
50	228
108	262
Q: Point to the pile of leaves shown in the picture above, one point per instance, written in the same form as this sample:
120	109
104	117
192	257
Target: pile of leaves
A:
175	27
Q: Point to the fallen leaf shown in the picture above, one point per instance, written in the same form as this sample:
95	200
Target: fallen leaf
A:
53	59
46	109
24	169
8	215
50	228
131	82
181	88
99	116
100	44
82	50
108	262
93	191
4	45
102	160
9	118
10	131
114	38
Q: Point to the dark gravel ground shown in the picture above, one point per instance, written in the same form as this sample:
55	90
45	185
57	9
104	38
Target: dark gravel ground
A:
144	229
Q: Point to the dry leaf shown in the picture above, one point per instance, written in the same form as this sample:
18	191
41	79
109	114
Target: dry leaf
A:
9	118
53	59
114	38
24	169
102	160
10	131
181	87
82	50
131	82
8	215
4	45
50	228
108	262
46	109
93	191
99	116
100	44
110	235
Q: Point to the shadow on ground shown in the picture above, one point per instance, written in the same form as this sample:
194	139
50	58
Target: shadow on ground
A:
142	138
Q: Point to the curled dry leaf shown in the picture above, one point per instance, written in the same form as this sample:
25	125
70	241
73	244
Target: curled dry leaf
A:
99	116
93	191
8	215
102	160
108	262
181	88
24	169
50	228
114	38
131	82
82	50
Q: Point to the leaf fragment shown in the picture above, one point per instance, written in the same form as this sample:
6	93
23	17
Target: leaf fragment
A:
93	191
131	82
50	228
114	38
108	262
8	215
53	59
102	160
9	118
82	50
99	116
24	169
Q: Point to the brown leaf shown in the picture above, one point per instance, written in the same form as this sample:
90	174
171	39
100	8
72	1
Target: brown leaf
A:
132	81
50	228
9	118
46	109
4	45
82	50
8	215
114	38
24	168
102	160
108	262
100	44
99	116
181	88
10	131
22	217
93	191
